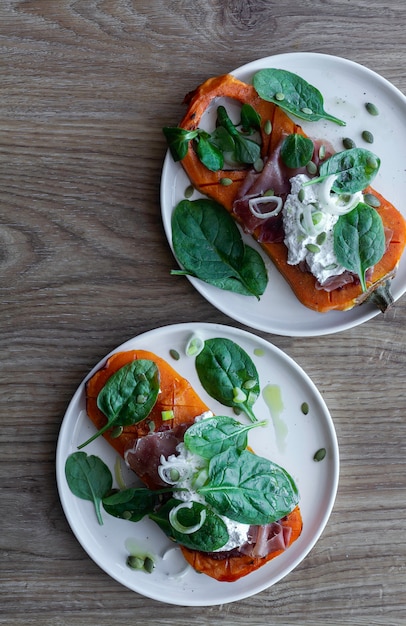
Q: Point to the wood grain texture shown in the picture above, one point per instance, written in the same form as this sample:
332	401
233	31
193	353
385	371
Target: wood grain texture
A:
86	86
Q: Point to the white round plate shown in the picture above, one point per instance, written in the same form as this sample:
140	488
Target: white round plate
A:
173	581
346	87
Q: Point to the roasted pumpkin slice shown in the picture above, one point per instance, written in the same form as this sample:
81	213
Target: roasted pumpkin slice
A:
176	394
303	283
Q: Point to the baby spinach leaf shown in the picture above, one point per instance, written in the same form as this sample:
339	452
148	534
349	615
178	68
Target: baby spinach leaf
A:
211	536
296	150
248	488
88	478
129	395
355	169
214	435
178	141
359	240
131	504
209	246
228	374
293	94
253	273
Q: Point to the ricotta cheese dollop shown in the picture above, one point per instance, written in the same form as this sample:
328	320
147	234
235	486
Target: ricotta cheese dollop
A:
309	228
187	466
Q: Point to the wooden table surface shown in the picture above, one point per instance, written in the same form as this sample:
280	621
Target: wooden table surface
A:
86	87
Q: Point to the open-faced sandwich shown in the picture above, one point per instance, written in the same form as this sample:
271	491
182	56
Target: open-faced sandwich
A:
335	239
230	510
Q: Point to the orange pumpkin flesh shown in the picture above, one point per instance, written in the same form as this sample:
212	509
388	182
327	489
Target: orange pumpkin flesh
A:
176	394
302	283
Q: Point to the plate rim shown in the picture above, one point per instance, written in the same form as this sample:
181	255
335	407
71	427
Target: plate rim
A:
327	421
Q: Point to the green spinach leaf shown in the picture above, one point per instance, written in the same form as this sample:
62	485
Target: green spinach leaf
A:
209	246
129	395
131	504
293	94
228	374
296	150
355	169
88	478
359	240
214	435
249	489
211	536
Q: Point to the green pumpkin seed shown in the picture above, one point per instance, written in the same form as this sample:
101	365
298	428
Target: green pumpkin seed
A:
174	354
372	108
259	165
322	152
226	182
311	167
320	454
367	136
307	111
188	193
304	408
269	192
268	127
372	200
348	143
135	562
148	564
311	247
279	96
321	238
372	163
116	432
301	194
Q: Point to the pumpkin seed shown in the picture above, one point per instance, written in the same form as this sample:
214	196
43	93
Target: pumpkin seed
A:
259	165
311	167
321	238
174	354
148	564
372	163
301	194
320	454
188	193
348	143
372	200
311	247
269	192
135	562
226	182
367	136
307	111
304	408
322	152
372	108
116	432
279	96
268	127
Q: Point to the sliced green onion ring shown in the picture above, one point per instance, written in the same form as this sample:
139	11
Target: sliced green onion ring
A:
194	346
333	203
186	530
254	202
